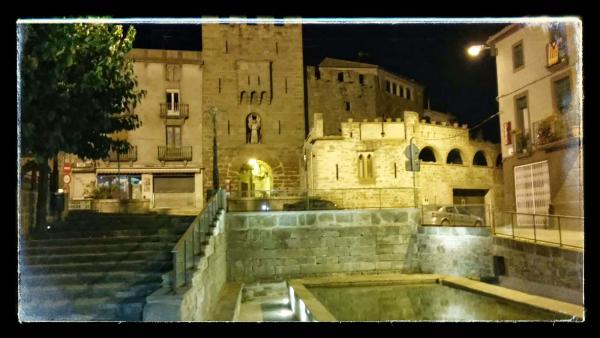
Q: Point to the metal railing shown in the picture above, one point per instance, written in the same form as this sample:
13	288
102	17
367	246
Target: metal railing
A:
192	242
174	110
460	215
522	141
129	156
174	153
321	199
554	128
564	231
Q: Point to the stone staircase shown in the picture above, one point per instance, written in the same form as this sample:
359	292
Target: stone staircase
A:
96	267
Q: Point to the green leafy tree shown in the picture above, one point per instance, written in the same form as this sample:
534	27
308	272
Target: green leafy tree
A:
77	90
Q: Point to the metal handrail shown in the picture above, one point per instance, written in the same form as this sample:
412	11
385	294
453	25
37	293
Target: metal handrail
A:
178	110
546	220
174	153
189	245
130	155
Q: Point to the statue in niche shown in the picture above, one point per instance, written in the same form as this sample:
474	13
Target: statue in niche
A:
253	134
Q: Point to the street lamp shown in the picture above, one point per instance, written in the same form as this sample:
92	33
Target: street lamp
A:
475	50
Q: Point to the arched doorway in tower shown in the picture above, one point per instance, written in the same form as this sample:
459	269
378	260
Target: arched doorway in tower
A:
256	179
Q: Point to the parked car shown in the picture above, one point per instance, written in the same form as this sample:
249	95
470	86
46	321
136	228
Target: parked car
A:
313	204
451	215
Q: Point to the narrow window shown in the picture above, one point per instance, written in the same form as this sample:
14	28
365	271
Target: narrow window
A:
401	91
361	79
340	77
286	89
173	136
337	173
279	127
361	166
394	88
387	86
347	106
228	128
248	79
521	116
317	73
395	170
369	166
518	57
226	47
408	94
219	85
562	94
172	102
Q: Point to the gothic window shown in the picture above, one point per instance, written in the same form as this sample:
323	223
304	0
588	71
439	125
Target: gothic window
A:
262	96
252	97
369	166
361	166
242	96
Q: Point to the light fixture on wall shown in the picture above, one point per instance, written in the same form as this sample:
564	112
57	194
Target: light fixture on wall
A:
476	49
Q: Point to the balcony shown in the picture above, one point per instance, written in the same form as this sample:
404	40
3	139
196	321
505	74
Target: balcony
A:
174	153
174	110
557	128
129	156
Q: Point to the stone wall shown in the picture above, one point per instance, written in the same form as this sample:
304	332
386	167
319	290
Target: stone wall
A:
543	270
207	281
281	245
197	302
459	251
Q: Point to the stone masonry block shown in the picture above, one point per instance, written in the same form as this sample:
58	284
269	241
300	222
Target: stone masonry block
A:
288	220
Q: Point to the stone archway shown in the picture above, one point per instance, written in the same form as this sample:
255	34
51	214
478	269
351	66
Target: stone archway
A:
255	179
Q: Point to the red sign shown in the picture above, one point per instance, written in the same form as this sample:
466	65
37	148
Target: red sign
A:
67	168
507	134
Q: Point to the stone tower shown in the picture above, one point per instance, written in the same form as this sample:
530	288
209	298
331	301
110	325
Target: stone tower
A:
253	80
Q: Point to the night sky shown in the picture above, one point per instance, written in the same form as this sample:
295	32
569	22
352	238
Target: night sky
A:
431	54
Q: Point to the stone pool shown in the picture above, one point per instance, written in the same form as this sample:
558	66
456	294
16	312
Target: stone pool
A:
419	298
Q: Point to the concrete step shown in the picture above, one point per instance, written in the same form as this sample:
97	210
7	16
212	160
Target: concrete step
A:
29	280
113	240
99	248
94	233
50	259
35	294
94	309
134	265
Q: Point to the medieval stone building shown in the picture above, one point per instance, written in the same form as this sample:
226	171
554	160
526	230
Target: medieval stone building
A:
249	91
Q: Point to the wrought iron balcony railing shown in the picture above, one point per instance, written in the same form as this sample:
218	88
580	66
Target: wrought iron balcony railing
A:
129	156
174	153
174	110
554	128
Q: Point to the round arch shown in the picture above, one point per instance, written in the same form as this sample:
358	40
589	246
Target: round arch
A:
454	157
479	159
499	161
255	178
427	154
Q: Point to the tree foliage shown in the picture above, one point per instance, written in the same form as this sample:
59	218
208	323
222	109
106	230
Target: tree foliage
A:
78	88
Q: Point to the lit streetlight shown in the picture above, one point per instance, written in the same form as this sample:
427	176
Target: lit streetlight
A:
475	50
